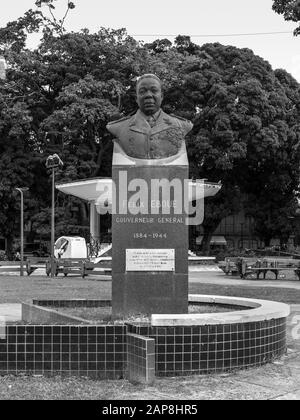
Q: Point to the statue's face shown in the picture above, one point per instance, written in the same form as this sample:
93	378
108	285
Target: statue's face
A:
149	95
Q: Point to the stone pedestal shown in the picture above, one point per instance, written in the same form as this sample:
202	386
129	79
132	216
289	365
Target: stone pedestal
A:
150	246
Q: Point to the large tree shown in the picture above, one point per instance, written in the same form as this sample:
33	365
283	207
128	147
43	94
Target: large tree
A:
56	98
273	183
65	90
246	134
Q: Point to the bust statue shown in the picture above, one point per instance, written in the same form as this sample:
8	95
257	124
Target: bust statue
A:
150	133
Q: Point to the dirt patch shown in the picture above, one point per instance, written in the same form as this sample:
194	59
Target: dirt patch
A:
102	315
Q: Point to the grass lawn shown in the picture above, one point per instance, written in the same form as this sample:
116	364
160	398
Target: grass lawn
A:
15	289
266	382
278	294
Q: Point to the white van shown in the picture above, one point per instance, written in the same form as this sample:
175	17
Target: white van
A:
70	247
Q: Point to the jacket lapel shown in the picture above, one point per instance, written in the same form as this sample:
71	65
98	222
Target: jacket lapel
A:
139	124
163	123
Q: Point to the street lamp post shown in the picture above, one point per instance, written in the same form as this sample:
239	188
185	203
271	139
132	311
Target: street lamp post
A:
21	190
53	162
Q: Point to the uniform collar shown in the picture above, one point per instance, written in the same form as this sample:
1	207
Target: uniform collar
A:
147	117
140	123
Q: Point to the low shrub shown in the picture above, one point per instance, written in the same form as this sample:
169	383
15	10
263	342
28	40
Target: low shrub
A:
3	256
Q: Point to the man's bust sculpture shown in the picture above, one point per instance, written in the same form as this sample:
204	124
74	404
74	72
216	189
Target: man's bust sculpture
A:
150	133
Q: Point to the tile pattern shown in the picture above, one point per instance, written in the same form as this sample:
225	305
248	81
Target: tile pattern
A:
140	359
100	351
93	351
218	348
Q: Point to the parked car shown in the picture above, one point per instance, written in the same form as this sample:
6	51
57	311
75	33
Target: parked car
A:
70	247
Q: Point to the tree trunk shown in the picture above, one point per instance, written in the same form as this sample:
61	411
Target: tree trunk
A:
284	240
267	240
205	246
192	238
208	231
84	215
9	250
102	150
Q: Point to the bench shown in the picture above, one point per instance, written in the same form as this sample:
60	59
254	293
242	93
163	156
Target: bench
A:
88	267
262	266
65	266
229	267
33	263
232	265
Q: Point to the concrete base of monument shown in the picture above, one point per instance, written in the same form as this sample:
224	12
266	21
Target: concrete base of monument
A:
163	345
139	293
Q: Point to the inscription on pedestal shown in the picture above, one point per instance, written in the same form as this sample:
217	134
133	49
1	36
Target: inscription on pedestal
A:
150	259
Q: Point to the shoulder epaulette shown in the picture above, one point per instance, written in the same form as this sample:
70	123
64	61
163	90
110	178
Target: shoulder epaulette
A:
180	118
120	119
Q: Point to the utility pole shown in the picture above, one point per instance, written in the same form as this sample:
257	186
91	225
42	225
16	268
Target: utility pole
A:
21	190
53	162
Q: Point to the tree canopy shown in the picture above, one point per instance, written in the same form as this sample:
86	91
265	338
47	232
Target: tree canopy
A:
290	9
58	98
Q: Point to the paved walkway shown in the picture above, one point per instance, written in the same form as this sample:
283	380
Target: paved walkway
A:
10	312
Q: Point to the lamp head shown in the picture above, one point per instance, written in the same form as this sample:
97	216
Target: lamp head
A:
53	161
22	189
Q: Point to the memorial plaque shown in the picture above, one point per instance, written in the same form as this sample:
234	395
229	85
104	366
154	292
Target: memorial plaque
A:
150	259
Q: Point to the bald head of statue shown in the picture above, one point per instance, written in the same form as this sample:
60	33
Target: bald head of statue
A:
149	93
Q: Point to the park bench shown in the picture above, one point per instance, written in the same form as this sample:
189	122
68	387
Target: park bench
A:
65	266
88	267
33	263
262	266
232	265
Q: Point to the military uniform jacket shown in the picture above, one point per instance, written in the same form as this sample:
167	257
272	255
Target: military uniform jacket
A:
139	140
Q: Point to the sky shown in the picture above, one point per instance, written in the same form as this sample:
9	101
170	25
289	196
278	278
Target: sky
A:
147	21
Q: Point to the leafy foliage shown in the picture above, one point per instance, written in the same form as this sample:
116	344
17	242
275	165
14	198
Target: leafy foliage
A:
290	9
59	97
246	134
